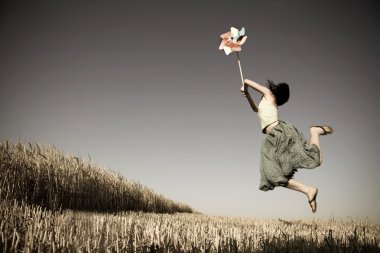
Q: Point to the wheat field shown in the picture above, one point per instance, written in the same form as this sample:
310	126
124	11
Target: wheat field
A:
26	228
44	176
52	202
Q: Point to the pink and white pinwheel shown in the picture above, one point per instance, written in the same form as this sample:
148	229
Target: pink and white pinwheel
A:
232	40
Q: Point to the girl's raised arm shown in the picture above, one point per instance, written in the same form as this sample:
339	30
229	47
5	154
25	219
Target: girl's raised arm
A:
258	87
246	94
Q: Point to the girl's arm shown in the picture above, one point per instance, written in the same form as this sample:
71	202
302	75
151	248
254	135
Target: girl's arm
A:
258	87
246	94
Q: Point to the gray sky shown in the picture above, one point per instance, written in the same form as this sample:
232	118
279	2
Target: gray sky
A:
142	88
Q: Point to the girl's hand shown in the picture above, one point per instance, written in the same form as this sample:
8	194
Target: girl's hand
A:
243	90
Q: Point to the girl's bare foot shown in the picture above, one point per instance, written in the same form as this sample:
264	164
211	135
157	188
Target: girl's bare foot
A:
312	197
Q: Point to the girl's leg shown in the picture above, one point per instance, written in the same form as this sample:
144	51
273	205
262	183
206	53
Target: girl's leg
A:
310	192
315	132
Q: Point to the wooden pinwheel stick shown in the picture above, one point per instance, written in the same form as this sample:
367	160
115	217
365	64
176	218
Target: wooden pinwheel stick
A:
241	72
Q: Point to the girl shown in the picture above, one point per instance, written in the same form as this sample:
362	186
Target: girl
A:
284	148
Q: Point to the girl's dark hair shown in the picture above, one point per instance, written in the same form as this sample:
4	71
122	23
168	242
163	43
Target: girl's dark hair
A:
280	91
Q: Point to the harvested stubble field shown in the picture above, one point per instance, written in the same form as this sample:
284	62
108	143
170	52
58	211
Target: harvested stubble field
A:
34	222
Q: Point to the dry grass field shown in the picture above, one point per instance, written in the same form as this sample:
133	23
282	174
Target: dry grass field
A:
46	177
58	203
25	228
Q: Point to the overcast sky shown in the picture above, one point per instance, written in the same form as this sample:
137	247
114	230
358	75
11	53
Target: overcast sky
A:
142	88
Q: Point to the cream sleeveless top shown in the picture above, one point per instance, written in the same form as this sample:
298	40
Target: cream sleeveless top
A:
267	113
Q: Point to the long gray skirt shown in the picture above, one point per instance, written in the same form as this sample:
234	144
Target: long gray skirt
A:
283	151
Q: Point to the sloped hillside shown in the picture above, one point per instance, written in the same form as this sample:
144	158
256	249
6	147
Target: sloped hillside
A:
44	176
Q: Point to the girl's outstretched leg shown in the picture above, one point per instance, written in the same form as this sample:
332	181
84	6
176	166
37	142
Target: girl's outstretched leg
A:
310	192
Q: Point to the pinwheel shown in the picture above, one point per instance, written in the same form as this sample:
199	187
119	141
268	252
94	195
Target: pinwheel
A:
232	42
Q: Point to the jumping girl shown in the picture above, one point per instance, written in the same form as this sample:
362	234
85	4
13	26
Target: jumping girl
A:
284	149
